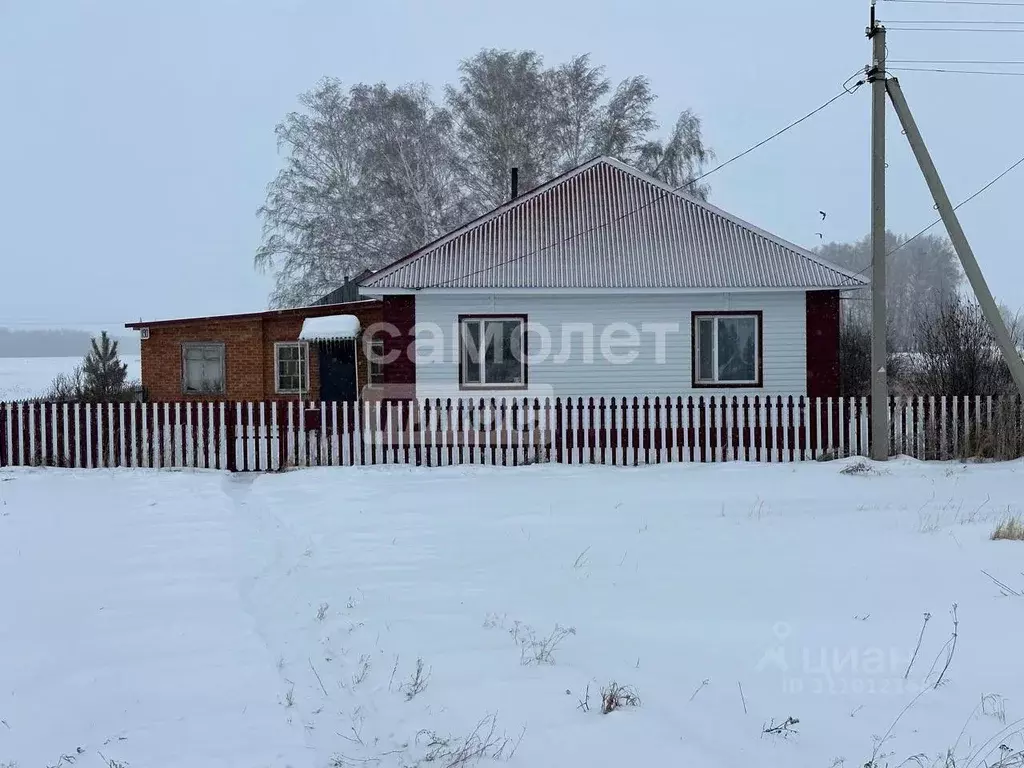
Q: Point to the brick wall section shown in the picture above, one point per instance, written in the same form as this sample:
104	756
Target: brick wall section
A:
823	343
399	312
248	351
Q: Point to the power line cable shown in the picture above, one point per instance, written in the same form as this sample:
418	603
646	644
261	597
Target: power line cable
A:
982	3
1010	30
663	195
990	62
955	207
992	22
954	71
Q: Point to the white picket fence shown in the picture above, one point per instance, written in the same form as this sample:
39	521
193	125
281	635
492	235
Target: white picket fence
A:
262	436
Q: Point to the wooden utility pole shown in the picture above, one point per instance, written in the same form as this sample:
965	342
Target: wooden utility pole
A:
879	381
957	236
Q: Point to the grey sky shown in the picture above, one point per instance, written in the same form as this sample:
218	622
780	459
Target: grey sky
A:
138	136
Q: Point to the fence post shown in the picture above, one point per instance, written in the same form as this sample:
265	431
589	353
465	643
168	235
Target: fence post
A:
230	434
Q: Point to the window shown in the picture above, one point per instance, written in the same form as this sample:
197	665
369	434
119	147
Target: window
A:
491	352
292	366
727	349
375	362
202	368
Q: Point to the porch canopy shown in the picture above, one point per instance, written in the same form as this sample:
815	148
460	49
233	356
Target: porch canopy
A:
330	328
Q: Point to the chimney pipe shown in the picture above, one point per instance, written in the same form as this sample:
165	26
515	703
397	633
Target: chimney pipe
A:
515	183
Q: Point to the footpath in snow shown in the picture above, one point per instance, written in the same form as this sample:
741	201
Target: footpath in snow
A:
198	619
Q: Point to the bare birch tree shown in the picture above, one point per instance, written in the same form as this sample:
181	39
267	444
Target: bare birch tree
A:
372	173
369	176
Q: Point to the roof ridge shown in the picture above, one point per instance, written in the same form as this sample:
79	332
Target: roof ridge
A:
696	205
483	218
806	253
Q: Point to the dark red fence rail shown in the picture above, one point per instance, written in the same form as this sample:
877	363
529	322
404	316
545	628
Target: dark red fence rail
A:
260	436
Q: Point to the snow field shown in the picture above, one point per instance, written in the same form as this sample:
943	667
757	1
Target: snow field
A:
172	619
22	378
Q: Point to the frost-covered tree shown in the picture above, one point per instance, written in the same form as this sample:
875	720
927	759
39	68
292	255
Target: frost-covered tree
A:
369	176
372	173
920	277
104	376
501	109
512	112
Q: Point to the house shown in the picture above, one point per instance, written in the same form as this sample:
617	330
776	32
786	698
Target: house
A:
601	282
309	352
607	282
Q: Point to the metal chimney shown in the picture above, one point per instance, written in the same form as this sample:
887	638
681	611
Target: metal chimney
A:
515	183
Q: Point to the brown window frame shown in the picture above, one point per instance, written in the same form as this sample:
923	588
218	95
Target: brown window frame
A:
185	346
484	386
696	382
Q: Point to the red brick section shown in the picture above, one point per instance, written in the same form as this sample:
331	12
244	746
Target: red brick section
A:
823	343
399	312
248	350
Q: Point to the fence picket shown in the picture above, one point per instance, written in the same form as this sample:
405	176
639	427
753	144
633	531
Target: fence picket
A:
622	431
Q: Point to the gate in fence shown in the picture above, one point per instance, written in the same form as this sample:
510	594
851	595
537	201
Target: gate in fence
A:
267	436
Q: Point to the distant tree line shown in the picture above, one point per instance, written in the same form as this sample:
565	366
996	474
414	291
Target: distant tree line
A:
52	343
938	338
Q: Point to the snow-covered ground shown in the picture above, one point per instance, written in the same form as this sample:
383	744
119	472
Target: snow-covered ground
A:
198	619
25	377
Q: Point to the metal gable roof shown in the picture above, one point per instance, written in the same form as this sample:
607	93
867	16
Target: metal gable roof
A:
607	225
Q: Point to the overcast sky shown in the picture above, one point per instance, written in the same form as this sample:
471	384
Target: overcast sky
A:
138	136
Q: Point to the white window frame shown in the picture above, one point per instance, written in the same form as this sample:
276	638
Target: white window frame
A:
186	346
464	361
303	368
375	346
698	380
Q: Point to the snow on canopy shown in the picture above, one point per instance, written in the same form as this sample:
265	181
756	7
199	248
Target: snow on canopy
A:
329	328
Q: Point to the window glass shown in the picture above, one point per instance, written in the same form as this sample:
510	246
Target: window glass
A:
737	358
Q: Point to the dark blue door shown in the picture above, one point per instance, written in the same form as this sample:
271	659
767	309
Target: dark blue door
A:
338	371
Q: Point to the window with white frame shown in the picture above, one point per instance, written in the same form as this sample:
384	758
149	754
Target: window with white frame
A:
375	362
491	352
291	364
727	349
202	368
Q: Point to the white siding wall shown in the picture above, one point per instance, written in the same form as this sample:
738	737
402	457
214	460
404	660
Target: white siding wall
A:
784	352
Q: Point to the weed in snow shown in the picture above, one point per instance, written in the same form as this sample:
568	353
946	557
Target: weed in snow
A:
540	650
994	705
321	612
993	752
417	683
861	467
492	620
583	704
948	648
615	696
701	687
920	637
1009	529
363	671
783	730
1007	590
289	698
461	751
581	560
533	649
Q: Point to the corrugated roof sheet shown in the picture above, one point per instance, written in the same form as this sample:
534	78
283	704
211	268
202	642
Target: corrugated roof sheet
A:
607	225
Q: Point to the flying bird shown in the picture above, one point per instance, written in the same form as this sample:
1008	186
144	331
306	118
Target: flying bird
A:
820	236
822	215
